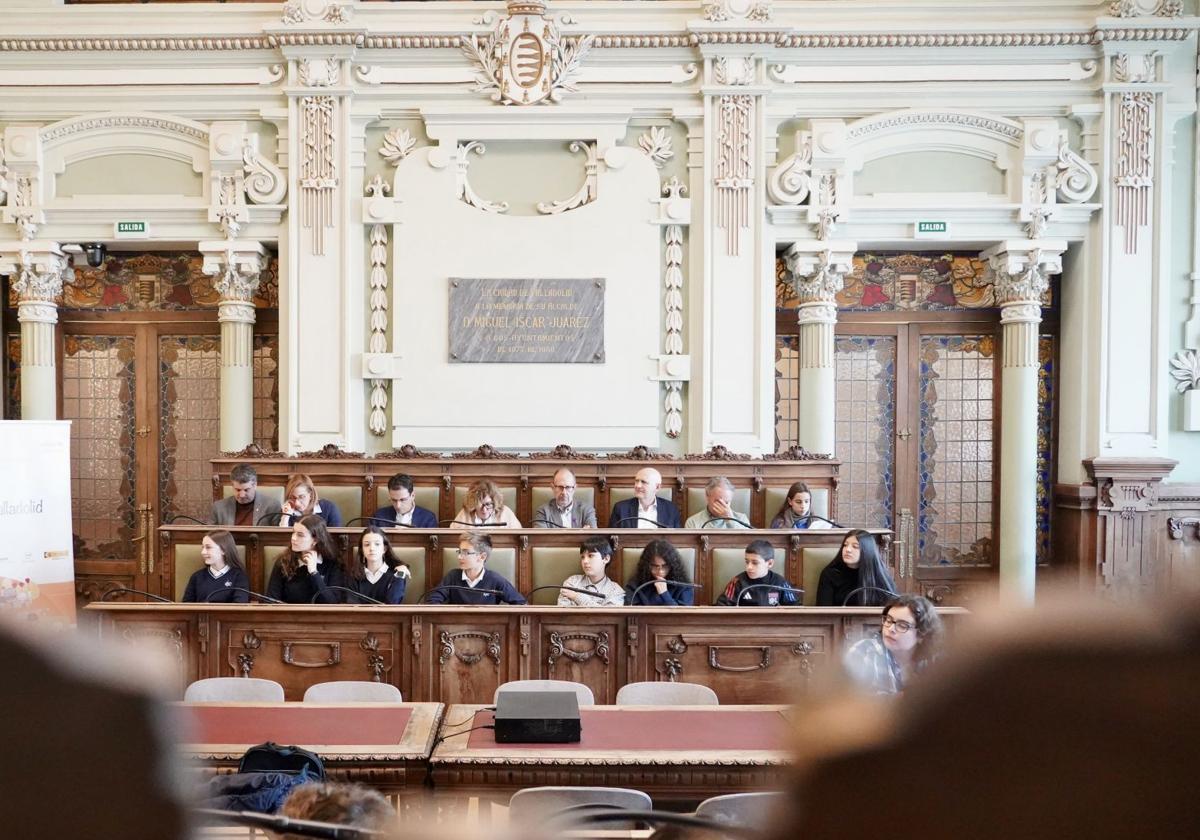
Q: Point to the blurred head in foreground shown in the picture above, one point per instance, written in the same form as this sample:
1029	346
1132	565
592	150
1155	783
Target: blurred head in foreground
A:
342	804
1077	720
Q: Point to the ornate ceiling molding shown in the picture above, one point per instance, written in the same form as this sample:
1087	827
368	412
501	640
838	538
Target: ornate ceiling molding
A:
81	125
1007	130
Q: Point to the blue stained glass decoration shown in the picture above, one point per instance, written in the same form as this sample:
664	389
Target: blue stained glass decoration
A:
865	430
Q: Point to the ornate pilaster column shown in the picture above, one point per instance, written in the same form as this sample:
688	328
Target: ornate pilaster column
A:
818	270
236	265
1022	269
38	269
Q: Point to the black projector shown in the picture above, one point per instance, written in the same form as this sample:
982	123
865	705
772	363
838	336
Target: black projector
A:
537	717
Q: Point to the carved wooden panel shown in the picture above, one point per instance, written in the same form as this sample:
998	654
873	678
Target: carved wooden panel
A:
742	665
170	641
468	659
589	653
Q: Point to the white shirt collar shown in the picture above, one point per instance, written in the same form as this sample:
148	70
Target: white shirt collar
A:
374	577
473	583
404	518
220	574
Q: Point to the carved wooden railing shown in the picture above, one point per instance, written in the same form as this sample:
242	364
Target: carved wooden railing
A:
607	476
461	654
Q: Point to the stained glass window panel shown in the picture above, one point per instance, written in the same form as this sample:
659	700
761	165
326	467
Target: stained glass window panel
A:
787	392
266	391
189	423
99	385
12	379
865	428
956	449
1047	400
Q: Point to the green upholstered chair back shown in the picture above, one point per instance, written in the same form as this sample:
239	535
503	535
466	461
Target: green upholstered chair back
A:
552	566
816	559
347	498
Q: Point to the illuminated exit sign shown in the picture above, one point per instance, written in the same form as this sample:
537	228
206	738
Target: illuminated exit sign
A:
131	230
932	230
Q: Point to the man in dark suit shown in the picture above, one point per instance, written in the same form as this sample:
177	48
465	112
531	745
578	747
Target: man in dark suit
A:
246	506
403	510
645	509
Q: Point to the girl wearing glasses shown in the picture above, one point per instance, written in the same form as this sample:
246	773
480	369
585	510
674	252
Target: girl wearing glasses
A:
484	505
884	662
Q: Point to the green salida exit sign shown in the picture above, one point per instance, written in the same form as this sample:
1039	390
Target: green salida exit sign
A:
930	229
138	229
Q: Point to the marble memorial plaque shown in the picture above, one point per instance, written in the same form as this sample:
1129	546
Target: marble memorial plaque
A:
526	320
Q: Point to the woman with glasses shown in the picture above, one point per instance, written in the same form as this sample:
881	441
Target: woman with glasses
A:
300	499
484	505
885	662
654	581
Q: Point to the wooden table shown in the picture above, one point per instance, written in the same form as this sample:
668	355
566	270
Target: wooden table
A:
680	754
385	745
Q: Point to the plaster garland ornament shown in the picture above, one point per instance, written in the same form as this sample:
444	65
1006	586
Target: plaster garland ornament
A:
4	187
1134	178
1145	8
465	193
1134	68
379	310
397	144
264	181
734	70
315	11
1039	218
828	215
26	220
720	11
318	169
319	72
1185	370
229	213
526	60
586	193
657	145
734	176
792	180
673	305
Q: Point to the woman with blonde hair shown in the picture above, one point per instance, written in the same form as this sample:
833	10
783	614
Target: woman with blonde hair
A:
300	499
484	505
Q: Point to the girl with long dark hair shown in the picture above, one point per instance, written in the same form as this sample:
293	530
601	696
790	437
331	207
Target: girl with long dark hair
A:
304	573
376	572
857	576
659	566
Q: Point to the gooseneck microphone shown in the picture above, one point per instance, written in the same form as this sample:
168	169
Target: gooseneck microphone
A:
854	592
457	521
287	825
376	520
277	514
791	589
366	598
179	516
548	522
618	523
809	517
495	592
267	598
568	588
120	589
726	519
669	583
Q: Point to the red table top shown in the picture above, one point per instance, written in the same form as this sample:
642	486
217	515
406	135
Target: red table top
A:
309	726
632	728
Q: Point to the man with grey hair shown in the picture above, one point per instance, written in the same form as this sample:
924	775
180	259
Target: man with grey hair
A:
564	511
246	506
719	512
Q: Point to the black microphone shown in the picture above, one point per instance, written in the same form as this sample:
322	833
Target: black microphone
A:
568	588
495	592
387	523
469	525
287	825
179	516
158	598
366	598
280	514
738	602
809	517
854	592
602	813
669	583
249	592
548	522
657	524
725	519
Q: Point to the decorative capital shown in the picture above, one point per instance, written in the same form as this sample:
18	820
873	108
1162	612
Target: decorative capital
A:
818	275
1022	269
39	268
236	265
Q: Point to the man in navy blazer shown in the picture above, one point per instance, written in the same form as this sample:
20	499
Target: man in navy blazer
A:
645	508
403	510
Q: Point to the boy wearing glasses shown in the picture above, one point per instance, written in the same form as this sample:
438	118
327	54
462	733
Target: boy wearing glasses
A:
471	583
563	511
